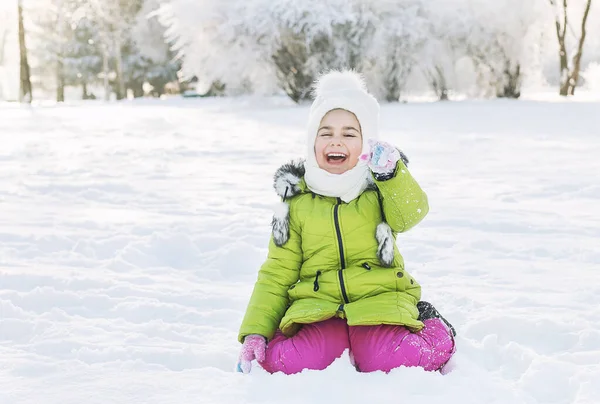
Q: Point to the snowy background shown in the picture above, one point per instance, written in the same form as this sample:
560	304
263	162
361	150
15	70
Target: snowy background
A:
440	48
131	234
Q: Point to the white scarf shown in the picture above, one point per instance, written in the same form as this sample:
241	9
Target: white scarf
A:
346	186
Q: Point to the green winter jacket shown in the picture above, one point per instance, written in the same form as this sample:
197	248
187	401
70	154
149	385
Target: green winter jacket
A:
327	258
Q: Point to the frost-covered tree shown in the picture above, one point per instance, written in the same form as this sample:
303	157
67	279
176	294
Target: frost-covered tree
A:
569	68
203	33
50	33
441	51
83	56
115	19
393	52
258	45
65	45
311	37
255	45
132	45
495	35
148	56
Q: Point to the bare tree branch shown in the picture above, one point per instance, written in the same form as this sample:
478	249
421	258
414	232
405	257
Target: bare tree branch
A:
569	75
577	58
583	29
565	22
559	35
25	91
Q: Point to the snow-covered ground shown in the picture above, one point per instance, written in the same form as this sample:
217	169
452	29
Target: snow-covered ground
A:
131	235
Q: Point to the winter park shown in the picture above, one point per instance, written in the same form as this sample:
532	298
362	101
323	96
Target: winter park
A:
334	201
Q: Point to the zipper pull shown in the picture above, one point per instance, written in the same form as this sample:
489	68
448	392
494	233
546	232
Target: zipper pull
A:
366	266
316	284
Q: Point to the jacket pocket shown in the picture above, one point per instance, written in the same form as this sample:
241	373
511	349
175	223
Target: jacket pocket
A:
404	281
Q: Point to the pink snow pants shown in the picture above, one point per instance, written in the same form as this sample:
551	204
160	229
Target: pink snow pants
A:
381	347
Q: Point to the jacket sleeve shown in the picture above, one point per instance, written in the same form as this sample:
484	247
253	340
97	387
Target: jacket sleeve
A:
269	299
404	202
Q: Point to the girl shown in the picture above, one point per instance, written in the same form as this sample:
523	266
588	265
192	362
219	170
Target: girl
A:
334	278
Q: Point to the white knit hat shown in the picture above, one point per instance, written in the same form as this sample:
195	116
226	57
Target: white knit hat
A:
344	90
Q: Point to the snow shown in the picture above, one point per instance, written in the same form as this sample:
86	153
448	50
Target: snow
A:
131	234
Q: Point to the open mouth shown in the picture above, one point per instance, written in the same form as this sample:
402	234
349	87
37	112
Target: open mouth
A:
336	158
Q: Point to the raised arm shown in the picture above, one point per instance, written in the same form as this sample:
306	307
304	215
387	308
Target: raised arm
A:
404	202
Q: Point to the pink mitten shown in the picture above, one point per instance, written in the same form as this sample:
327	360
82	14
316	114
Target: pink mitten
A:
382	157
254	347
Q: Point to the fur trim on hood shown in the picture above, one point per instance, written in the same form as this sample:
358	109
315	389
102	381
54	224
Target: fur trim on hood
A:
287	177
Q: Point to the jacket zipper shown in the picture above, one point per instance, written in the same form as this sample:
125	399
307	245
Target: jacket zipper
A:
336	220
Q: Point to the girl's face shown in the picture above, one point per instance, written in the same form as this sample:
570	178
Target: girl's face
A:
339	141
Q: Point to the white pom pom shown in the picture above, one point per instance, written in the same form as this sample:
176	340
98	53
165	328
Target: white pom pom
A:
339	80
